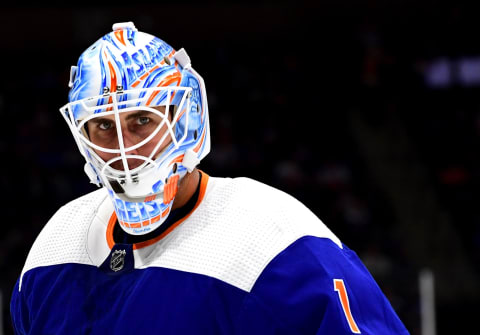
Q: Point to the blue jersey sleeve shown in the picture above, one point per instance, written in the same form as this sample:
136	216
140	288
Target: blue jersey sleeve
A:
18	312
316	287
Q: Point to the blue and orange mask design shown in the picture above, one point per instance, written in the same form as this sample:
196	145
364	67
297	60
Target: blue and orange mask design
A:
139	115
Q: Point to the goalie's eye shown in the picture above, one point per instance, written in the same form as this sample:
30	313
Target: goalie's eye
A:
132	127
142	120
105	124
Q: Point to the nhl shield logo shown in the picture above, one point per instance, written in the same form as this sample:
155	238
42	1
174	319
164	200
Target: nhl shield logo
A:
118	260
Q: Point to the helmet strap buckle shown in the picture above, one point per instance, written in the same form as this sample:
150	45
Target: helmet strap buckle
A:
190	160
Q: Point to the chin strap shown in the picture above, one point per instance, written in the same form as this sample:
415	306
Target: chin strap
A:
90	172
190	160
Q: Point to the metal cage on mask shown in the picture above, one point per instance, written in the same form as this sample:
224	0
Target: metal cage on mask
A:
123	74
131	184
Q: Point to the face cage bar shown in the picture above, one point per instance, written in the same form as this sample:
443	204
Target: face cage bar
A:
84	143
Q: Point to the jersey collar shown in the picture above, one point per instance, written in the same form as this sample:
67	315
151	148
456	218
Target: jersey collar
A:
113	219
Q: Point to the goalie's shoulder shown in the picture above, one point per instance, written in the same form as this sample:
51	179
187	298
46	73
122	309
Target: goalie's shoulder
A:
80	209
281	209
63	238
73	218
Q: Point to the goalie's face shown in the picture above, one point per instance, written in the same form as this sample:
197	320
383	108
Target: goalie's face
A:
135	126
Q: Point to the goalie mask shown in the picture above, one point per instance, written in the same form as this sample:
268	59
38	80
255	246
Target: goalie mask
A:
139	115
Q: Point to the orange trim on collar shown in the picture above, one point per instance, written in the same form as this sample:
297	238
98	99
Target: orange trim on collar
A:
111	224
113	219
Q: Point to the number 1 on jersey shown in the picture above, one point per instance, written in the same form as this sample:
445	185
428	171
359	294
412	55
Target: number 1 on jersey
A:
339	287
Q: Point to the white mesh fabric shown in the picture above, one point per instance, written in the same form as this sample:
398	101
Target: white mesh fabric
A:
239	227
97	245
63	239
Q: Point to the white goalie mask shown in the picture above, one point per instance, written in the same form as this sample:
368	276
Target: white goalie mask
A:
139	115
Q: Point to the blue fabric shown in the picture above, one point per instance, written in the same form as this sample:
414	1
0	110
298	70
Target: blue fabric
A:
81	299
117	265
293	295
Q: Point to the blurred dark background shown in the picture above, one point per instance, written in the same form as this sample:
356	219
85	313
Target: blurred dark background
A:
366	111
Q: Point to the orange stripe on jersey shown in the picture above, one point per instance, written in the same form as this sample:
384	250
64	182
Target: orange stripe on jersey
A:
339	286
110	226
203	188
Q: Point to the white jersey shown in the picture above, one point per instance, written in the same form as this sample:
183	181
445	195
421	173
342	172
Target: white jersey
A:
248	259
